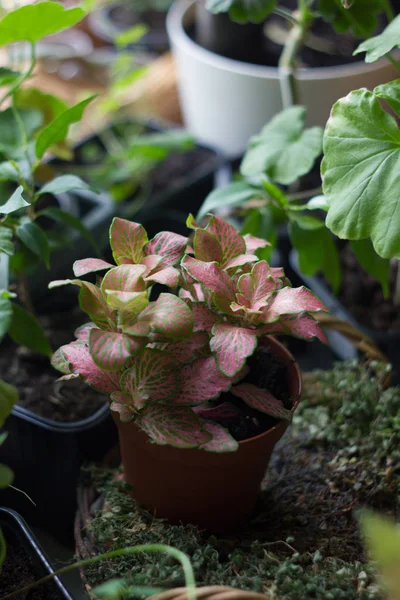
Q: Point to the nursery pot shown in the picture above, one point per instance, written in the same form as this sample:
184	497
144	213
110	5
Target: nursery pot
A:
225	101
217	492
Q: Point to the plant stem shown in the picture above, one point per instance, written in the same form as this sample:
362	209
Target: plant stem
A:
24	293
396	299
177	554
27	74
394	62
286	14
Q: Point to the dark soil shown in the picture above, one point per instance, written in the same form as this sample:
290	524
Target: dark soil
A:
35	378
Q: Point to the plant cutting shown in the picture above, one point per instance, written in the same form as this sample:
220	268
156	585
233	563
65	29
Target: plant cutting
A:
191	377
303	54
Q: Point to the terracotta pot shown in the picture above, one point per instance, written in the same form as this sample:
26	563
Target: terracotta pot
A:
217	492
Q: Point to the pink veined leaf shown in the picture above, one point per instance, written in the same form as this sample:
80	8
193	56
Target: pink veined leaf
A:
128	313
131	302
240	260
152	378
83	332
89	265
211	276
94	305
207	247
230	240
125	278
136	329
200	381
68	377
187	350
111	351
127	241
152	261
59	362
262	400
221	441
121	403
171	246
169	316
204	318
303	326
78	356
254	243
291	301
270	329
232	345
257	286
167	276
173	426
277	272
226	410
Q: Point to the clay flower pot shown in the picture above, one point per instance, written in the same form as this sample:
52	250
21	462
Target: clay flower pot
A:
217	492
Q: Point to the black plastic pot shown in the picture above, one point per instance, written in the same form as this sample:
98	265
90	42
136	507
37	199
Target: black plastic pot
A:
388	341
16	532
46	457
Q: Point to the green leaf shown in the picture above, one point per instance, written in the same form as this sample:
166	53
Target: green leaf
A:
131	36
5	312
11	139
306	222
316	252
376	266
57	130
35	239
60	216
8	76
360	18
15	202
378	46
284	150
243	11
27	331
6	476
360	173
6	243
64	183
317	203
233	194
32	22
8	397
49	105
260	223
276	193
391	93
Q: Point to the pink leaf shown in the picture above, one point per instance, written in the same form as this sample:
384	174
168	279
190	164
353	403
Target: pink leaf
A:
83	332
204	319
257	286
293	301
226	410
173	425
211	276
169	316
171	246
187	350
77	355
127	240
168	276
240	260
254	243
151	378
206	247
125	278
200	381
151	262
232	345
59	362
262	400
111	351
221	440
304	327
230	240
89	265
121	403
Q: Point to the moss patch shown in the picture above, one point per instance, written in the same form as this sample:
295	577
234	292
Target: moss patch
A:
342	452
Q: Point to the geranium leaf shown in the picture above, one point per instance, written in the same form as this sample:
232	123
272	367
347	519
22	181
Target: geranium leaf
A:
170	316
284	150
201	380
360	170
381	44
231	242
166	276
152	378
173	425
125	278
221	440
302	326
292	301
391	93
204	319
187	350
360	17
206	246
90	265
262	400
232	345
127	240
111	351
171	246
257	286
376	266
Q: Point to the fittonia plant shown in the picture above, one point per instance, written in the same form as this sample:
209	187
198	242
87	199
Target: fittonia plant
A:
162	361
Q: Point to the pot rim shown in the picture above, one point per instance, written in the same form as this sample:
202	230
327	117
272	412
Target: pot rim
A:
182	12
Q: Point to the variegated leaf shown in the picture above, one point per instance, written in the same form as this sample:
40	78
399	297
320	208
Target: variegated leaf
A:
125	278
111	351
232	345
127	241
221	441
134	302
92	302
207	247
226	410
59	362
204	318
186	350
173	426
239	261
304	327
200	381
152	261
211	276
262	400
254	243
169	316
167	276
122	404
171	246
291	301
90	265
256	287
152	378
83	332
230	240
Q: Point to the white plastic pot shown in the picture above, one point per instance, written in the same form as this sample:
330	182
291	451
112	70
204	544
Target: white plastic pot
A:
226	101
